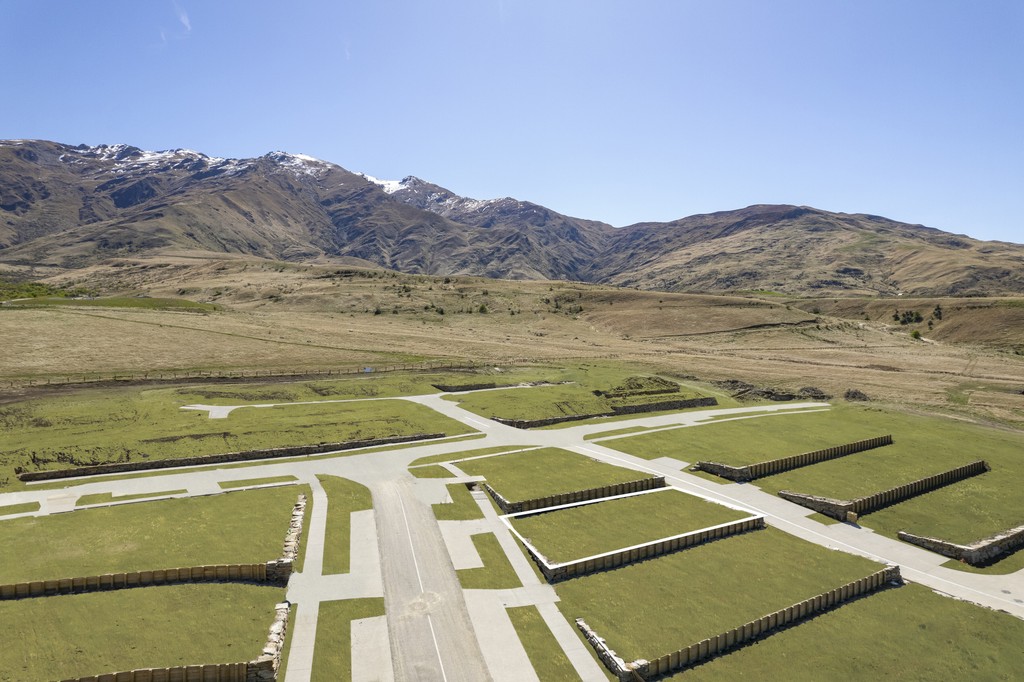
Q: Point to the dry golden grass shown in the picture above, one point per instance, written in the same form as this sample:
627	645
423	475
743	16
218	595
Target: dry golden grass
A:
287	316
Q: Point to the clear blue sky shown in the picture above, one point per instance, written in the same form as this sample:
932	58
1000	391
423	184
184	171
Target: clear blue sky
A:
620	111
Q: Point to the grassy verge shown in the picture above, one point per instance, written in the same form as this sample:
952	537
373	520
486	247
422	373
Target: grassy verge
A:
131	424
343	498
549	661
497	573
927	637
238	527
101	632
455	456
536	473
247	482
9	509
332	657
462	507
591	529
637	607
106	498
430	471
616	432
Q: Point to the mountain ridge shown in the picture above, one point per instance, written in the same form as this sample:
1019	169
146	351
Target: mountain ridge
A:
66	206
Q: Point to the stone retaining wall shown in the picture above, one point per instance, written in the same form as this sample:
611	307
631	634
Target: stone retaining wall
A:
640	485
454	388
622	557
616	410
268	453
977	553
118	581
842	509
774	466
261	669
761	627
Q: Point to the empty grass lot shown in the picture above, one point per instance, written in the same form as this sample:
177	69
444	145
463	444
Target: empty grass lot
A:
651	608
590	529
103	632
543	402
332	657
537	473
926	637
239	527
343	498
547	657
496	574
462	507
963	512
110	425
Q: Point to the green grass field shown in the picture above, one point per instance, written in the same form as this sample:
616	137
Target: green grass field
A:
103	632
963	512
908	633
110	425
549	661
496	574
332	657
651	608
462	507
239	527
591	529
343	498
575	397
536	473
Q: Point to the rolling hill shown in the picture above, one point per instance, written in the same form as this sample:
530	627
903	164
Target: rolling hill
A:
65	207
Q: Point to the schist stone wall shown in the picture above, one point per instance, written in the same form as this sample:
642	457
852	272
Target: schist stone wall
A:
976	553
576	496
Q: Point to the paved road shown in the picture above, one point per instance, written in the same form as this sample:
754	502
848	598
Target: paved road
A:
431	634
430	622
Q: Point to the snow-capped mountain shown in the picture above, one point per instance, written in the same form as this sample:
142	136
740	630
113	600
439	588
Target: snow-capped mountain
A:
70	206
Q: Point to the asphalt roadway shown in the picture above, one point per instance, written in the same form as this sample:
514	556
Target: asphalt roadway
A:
434	630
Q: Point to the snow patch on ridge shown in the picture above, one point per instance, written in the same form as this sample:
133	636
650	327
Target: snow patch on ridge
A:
389	186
